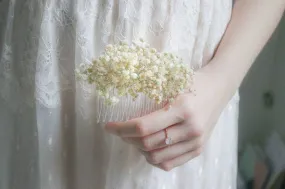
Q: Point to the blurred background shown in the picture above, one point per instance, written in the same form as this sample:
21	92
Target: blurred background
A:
262	118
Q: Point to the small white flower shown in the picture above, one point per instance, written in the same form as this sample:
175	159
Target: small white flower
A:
155	69
149	73
107	58
134	75
114	100
109	47
137	68
134	62
125	72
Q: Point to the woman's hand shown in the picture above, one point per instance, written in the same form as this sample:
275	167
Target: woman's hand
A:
191	119
189	123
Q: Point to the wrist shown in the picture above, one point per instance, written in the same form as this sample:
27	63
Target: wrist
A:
224	81
226	75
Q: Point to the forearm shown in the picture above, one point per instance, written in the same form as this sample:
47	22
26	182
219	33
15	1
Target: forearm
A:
251	25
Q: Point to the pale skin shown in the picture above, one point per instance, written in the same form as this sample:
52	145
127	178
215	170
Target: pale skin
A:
191	118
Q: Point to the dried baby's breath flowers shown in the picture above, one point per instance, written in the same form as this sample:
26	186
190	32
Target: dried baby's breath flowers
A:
125	69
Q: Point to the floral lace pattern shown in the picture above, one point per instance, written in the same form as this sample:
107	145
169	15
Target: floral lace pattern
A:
50	121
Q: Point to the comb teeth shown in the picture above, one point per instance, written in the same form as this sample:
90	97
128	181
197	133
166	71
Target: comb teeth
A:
126	109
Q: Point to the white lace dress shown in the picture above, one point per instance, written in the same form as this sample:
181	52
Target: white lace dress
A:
51	134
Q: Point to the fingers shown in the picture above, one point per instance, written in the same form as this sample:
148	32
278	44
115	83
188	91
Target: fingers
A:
173	151
145	125
168	165
177	133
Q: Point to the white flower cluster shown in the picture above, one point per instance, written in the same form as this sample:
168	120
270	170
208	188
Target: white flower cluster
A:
137	68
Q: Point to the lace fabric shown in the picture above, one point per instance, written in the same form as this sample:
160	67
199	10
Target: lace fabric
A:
53	123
